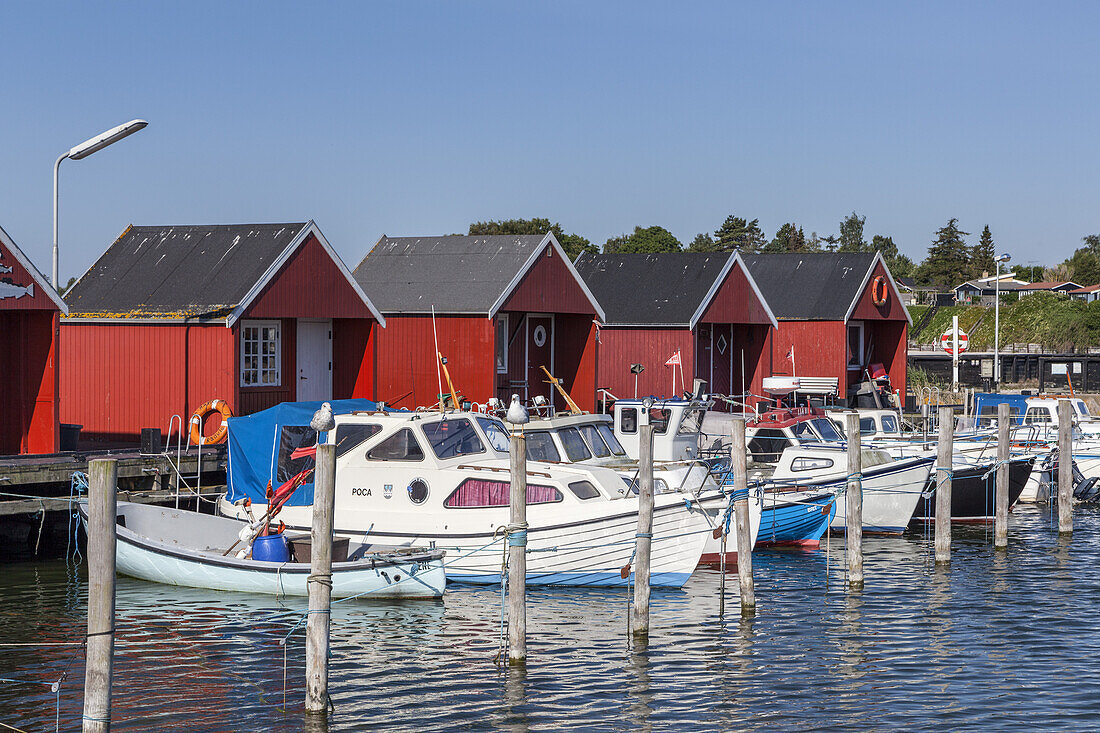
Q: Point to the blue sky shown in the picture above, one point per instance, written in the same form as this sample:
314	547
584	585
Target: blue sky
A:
418	118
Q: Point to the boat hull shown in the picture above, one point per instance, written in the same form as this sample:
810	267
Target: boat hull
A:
973	492
890	496
715	504
795	519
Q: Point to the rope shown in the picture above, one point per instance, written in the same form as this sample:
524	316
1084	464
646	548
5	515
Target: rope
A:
78	485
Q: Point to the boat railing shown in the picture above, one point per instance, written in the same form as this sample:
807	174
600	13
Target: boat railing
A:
499	469
180	480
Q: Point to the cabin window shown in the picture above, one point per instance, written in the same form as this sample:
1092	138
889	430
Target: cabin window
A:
1080	407
453	438
628	420
1037	415
660	486
659	420
692	422
502	344
401	446
352	435
827	429
293	438
866	425
540	447
810	464
495	432
890	424
595	442
767	444
575	449
474	493
583	490
609	437
261	354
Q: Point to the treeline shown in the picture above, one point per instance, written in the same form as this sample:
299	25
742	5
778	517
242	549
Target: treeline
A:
950	261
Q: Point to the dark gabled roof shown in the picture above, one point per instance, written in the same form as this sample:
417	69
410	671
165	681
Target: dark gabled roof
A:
180	271
815	286
651	289
454	274
990	287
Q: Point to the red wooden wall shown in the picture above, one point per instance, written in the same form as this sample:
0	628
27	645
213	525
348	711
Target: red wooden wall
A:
353	357
28	368
405	371
866	310
820	349
548	287
575	353
735	301
650	347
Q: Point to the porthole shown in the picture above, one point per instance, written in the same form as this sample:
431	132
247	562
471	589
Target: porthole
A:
418	491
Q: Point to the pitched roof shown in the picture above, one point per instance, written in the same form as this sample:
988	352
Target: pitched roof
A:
989	286
658	289
39	279
1087	289
1049	285
191	272
812	286
454	273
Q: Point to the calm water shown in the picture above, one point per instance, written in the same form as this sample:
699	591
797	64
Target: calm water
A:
998	641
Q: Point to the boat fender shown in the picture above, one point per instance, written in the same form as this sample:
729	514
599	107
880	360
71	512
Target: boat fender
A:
219	406
878	290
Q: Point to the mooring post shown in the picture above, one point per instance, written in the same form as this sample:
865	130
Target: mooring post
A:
1000	501
945	449
1065	467
320	580
739	456
853	504
102	494
644	538
517	552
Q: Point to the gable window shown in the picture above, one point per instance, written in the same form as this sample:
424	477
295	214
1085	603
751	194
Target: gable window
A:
502	344
261	354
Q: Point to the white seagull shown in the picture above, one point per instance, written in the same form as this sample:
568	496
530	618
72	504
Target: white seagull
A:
517	413
323	421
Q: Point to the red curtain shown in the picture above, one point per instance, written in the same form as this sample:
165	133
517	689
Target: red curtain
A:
480	493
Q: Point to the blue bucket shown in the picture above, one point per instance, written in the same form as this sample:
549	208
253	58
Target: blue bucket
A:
271	548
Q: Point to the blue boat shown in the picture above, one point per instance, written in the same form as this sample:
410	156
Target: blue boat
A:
795	518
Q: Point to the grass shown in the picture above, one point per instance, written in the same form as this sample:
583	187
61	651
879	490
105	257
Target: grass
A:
1054	321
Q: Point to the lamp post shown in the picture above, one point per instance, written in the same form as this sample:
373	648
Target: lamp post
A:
997	324
83	150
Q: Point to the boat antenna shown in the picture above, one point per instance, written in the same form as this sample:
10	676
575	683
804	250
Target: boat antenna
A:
438	357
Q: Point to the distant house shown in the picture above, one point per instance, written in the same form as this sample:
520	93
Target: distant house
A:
170	317
29	313
499	308
983	290
1087	294
1050	286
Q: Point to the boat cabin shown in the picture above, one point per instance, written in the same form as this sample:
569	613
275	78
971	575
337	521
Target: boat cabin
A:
588	438
677	426
876	424
773	431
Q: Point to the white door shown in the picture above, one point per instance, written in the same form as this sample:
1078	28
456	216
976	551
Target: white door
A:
314	360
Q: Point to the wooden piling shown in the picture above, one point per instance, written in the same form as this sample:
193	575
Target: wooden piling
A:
644	539
320	580
1065	467
945	449
739	457
103	487
853	504
517	552
1000	500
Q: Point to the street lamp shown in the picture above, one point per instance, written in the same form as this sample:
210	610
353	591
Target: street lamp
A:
83	150
997	323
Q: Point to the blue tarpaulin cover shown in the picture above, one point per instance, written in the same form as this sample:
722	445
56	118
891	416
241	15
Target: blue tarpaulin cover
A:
260	446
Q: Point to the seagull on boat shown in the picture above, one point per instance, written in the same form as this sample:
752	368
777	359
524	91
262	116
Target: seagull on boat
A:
323	421
517	413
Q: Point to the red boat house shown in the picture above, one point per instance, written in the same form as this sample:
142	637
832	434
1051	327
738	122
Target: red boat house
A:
505	306
29	316
171	317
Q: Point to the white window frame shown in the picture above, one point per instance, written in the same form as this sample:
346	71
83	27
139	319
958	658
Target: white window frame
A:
501	346
259	369
855	361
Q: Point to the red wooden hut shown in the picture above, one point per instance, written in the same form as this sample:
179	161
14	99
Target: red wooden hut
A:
839	312
29	317
504	305
171	317
701	309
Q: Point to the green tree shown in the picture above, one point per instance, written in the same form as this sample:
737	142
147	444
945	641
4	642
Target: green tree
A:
1083	267
702	243
647	241
740	234
900	265
69	284
1029	273
851	234
885	246
573	244
789	238
948	261
982	254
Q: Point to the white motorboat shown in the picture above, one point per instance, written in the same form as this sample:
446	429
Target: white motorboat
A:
186	548
443	480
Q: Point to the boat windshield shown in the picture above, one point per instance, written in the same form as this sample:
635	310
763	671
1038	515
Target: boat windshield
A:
495	432
453	438
540	447
890	424
609	438
575	449
693	421
1081	408
826	429
595	442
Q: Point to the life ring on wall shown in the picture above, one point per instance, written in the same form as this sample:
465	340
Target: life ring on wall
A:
878	290
219	406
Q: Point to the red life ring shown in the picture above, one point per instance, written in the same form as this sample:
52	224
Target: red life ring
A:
878	290
219	406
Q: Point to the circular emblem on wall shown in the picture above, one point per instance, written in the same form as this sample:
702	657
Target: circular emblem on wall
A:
418	491
540	336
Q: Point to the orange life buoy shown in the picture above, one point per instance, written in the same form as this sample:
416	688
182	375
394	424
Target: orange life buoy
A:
878	290
219	406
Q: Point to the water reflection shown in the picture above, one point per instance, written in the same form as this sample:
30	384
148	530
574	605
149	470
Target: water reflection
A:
640	699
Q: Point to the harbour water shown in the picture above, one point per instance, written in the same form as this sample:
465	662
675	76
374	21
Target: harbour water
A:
1000	641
